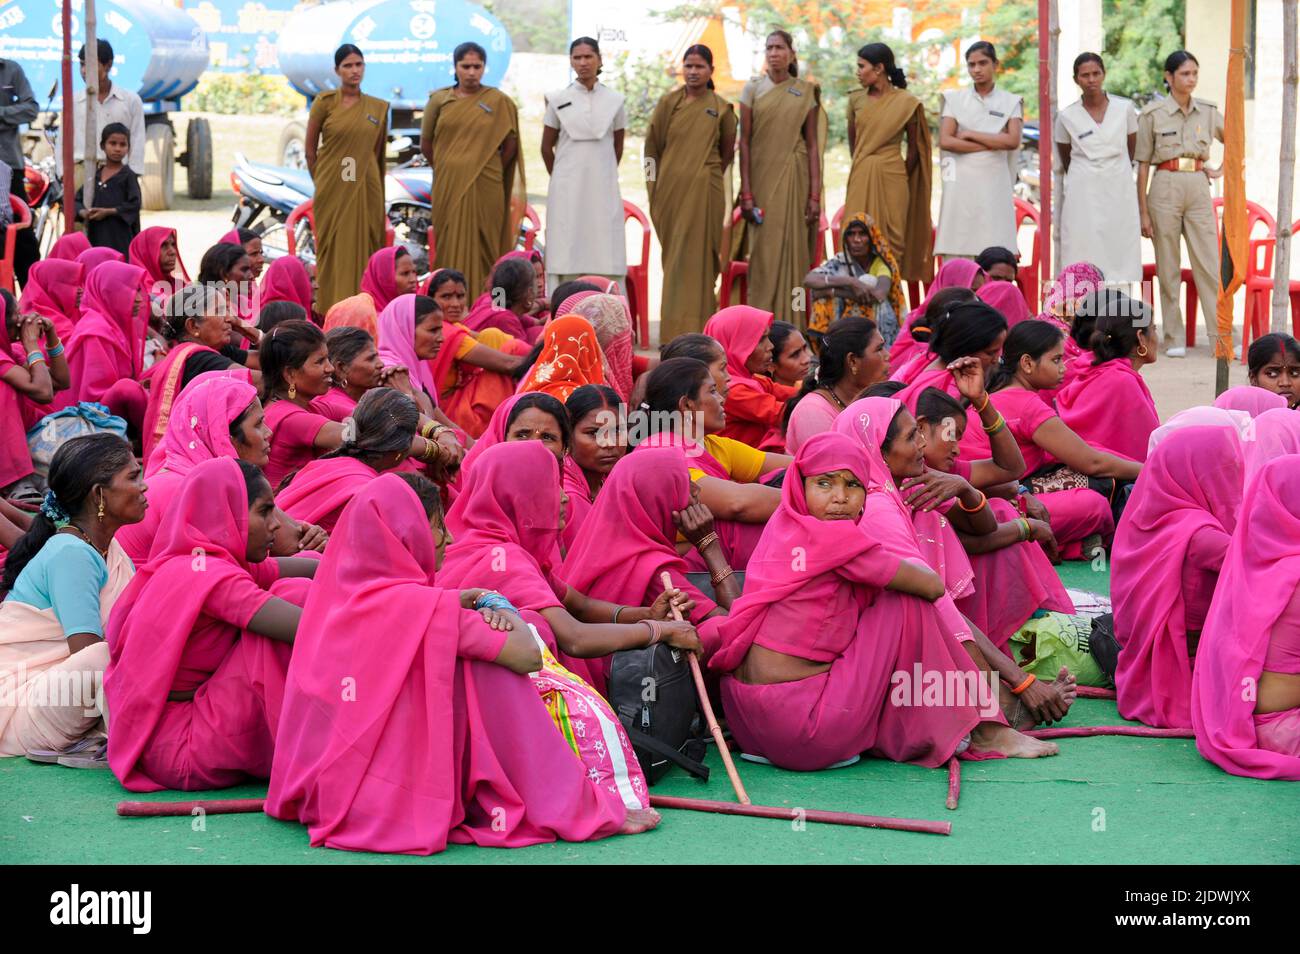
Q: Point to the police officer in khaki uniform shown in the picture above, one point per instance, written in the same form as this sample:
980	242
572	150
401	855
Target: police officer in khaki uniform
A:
1174	135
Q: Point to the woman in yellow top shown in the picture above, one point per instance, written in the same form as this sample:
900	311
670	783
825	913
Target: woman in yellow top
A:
782	135
345	130
893	191
470	136
689	146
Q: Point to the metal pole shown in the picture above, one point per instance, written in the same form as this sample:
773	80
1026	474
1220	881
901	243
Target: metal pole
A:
1044	145
69	213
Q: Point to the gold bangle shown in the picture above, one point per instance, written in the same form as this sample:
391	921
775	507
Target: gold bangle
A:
715	580
710	538
428	428
980	410
996	426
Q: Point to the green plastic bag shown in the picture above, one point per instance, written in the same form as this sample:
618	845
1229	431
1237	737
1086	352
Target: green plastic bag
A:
1045	644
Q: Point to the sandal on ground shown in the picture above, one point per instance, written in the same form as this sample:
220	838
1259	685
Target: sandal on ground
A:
86	746
95	759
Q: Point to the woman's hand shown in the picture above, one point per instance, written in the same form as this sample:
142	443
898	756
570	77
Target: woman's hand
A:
30	332
932	488
501	619
49	331
695	522
1146	226
1212	172
813	211
862	292
450	451
1041	533
968	375
682	636
469	597
1044	702
747	208
243	328
396	377
662	607
312	537
1034	508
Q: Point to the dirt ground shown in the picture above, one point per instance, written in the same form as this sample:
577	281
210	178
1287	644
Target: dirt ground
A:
1175	383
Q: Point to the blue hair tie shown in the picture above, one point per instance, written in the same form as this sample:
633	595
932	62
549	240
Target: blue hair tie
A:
53	511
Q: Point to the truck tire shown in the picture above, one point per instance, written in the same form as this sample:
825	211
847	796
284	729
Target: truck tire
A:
293	146
198	158
159	155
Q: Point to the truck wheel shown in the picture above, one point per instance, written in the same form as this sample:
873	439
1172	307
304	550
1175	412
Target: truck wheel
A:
198	158
159	156
293	146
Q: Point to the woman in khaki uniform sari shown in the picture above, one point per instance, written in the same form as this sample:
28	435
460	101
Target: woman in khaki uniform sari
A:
470	136
687	150
893	191
346	134
782	135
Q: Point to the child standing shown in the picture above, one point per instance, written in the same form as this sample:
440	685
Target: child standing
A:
114	219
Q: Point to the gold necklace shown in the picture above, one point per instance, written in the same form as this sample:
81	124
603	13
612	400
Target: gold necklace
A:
86	537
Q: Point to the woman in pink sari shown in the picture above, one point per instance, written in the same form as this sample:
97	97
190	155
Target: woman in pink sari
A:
450	741
595	447
1169	551
509	301
755	404
1252	400
506	527
852	357
378	438
954	273
1008	299
814	647
1271	435
51	291
1246	685
971	330
199	645
69	246
61	581
287	279
1108	404
92	258
389	273
156	250
106	353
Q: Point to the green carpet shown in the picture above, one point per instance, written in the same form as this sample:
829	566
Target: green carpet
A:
1113	800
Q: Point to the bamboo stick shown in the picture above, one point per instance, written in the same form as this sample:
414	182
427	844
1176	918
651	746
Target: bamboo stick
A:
803	814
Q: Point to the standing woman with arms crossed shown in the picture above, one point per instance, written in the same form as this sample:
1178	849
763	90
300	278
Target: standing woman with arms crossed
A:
782	134
1096	138
470	136
582	145
687	151
346	134
979	135
1174	135
893	190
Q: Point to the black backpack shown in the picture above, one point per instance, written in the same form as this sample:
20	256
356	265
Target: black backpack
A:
1103	645
653	694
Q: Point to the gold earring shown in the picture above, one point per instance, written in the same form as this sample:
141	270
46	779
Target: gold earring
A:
293	391
101	506
1142	351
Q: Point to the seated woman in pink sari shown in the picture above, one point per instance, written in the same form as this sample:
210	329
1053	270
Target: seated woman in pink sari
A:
597	444
251	243
1273	363
954	273
229	269
936	313
1108	404
682	395
1273	434
69	246
755	404
505	528
106	353
1061	299
1165	564
156	250
1008	299
1246	685
287	279
1252	400
33	370
52	290
851	359
92	258
199	645
885	427
453	738
377	437
812	649
61	581
972	329
389	273
509	300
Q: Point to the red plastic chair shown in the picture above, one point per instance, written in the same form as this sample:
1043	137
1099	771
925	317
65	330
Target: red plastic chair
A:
22	220
534	227
1259	291
738	271
305	209
638	277
1027	277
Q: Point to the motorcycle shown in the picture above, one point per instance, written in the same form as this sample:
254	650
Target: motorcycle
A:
1026	186
42	185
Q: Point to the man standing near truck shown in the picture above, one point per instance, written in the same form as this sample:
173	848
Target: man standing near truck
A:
116	104
17	106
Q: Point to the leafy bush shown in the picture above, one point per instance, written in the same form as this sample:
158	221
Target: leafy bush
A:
642	83
235	94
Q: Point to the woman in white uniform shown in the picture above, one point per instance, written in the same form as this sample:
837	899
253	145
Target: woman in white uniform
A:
582	143
1096	138
979	136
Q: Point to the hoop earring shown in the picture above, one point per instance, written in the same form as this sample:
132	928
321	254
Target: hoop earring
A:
293	391
101	507
1142	351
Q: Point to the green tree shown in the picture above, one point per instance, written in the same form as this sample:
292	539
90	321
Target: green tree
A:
1139	35
536	26
641	82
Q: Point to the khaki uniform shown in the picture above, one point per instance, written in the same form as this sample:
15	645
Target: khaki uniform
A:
1179	205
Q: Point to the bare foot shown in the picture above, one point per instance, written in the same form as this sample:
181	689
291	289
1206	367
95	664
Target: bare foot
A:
1068	685
992	737
640	820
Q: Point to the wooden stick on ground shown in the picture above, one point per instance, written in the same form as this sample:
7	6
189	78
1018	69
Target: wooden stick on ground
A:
707	707
1082	731
805	814
215	806
954	782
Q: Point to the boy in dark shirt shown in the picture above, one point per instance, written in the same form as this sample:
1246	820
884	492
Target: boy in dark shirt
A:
114	219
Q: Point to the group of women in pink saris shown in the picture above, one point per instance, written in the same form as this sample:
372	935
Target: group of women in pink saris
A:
383	558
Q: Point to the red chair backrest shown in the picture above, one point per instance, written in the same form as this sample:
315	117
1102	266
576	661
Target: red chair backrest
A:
530	239
21	210
630	211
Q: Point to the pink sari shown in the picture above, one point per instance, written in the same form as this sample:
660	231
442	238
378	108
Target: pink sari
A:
739	329
1254	401
492	769
51	291
165	386
1008	299
1271	435
1257	585
286	279
320	491
574	482
1199	416
379	280
69	246
106	354
1190	486
145	252
495	434
159	630
396	342
954	273
1090	405
92	258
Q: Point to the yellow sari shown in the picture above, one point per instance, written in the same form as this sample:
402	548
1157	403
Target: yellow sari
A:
688	203
348	207
477	201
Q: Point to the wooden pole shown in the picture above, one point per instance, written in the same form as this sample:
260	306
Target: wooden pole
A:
1044	146
803	814
69	212
954	783
90	141
1058	179
1083	731
1285	172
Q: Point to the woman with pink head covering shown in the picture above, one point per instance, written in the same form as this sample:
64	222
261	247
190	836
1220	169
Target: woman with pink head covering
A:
1273	434
69	245
954	273
51	291
613	326
251	243
509	301
1201	415
1168	554
287	279
506	526
755	404
812	651
1246	686
1252	400
195	691
389	273
157	251
1008	299
106	353
599	441
446	681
